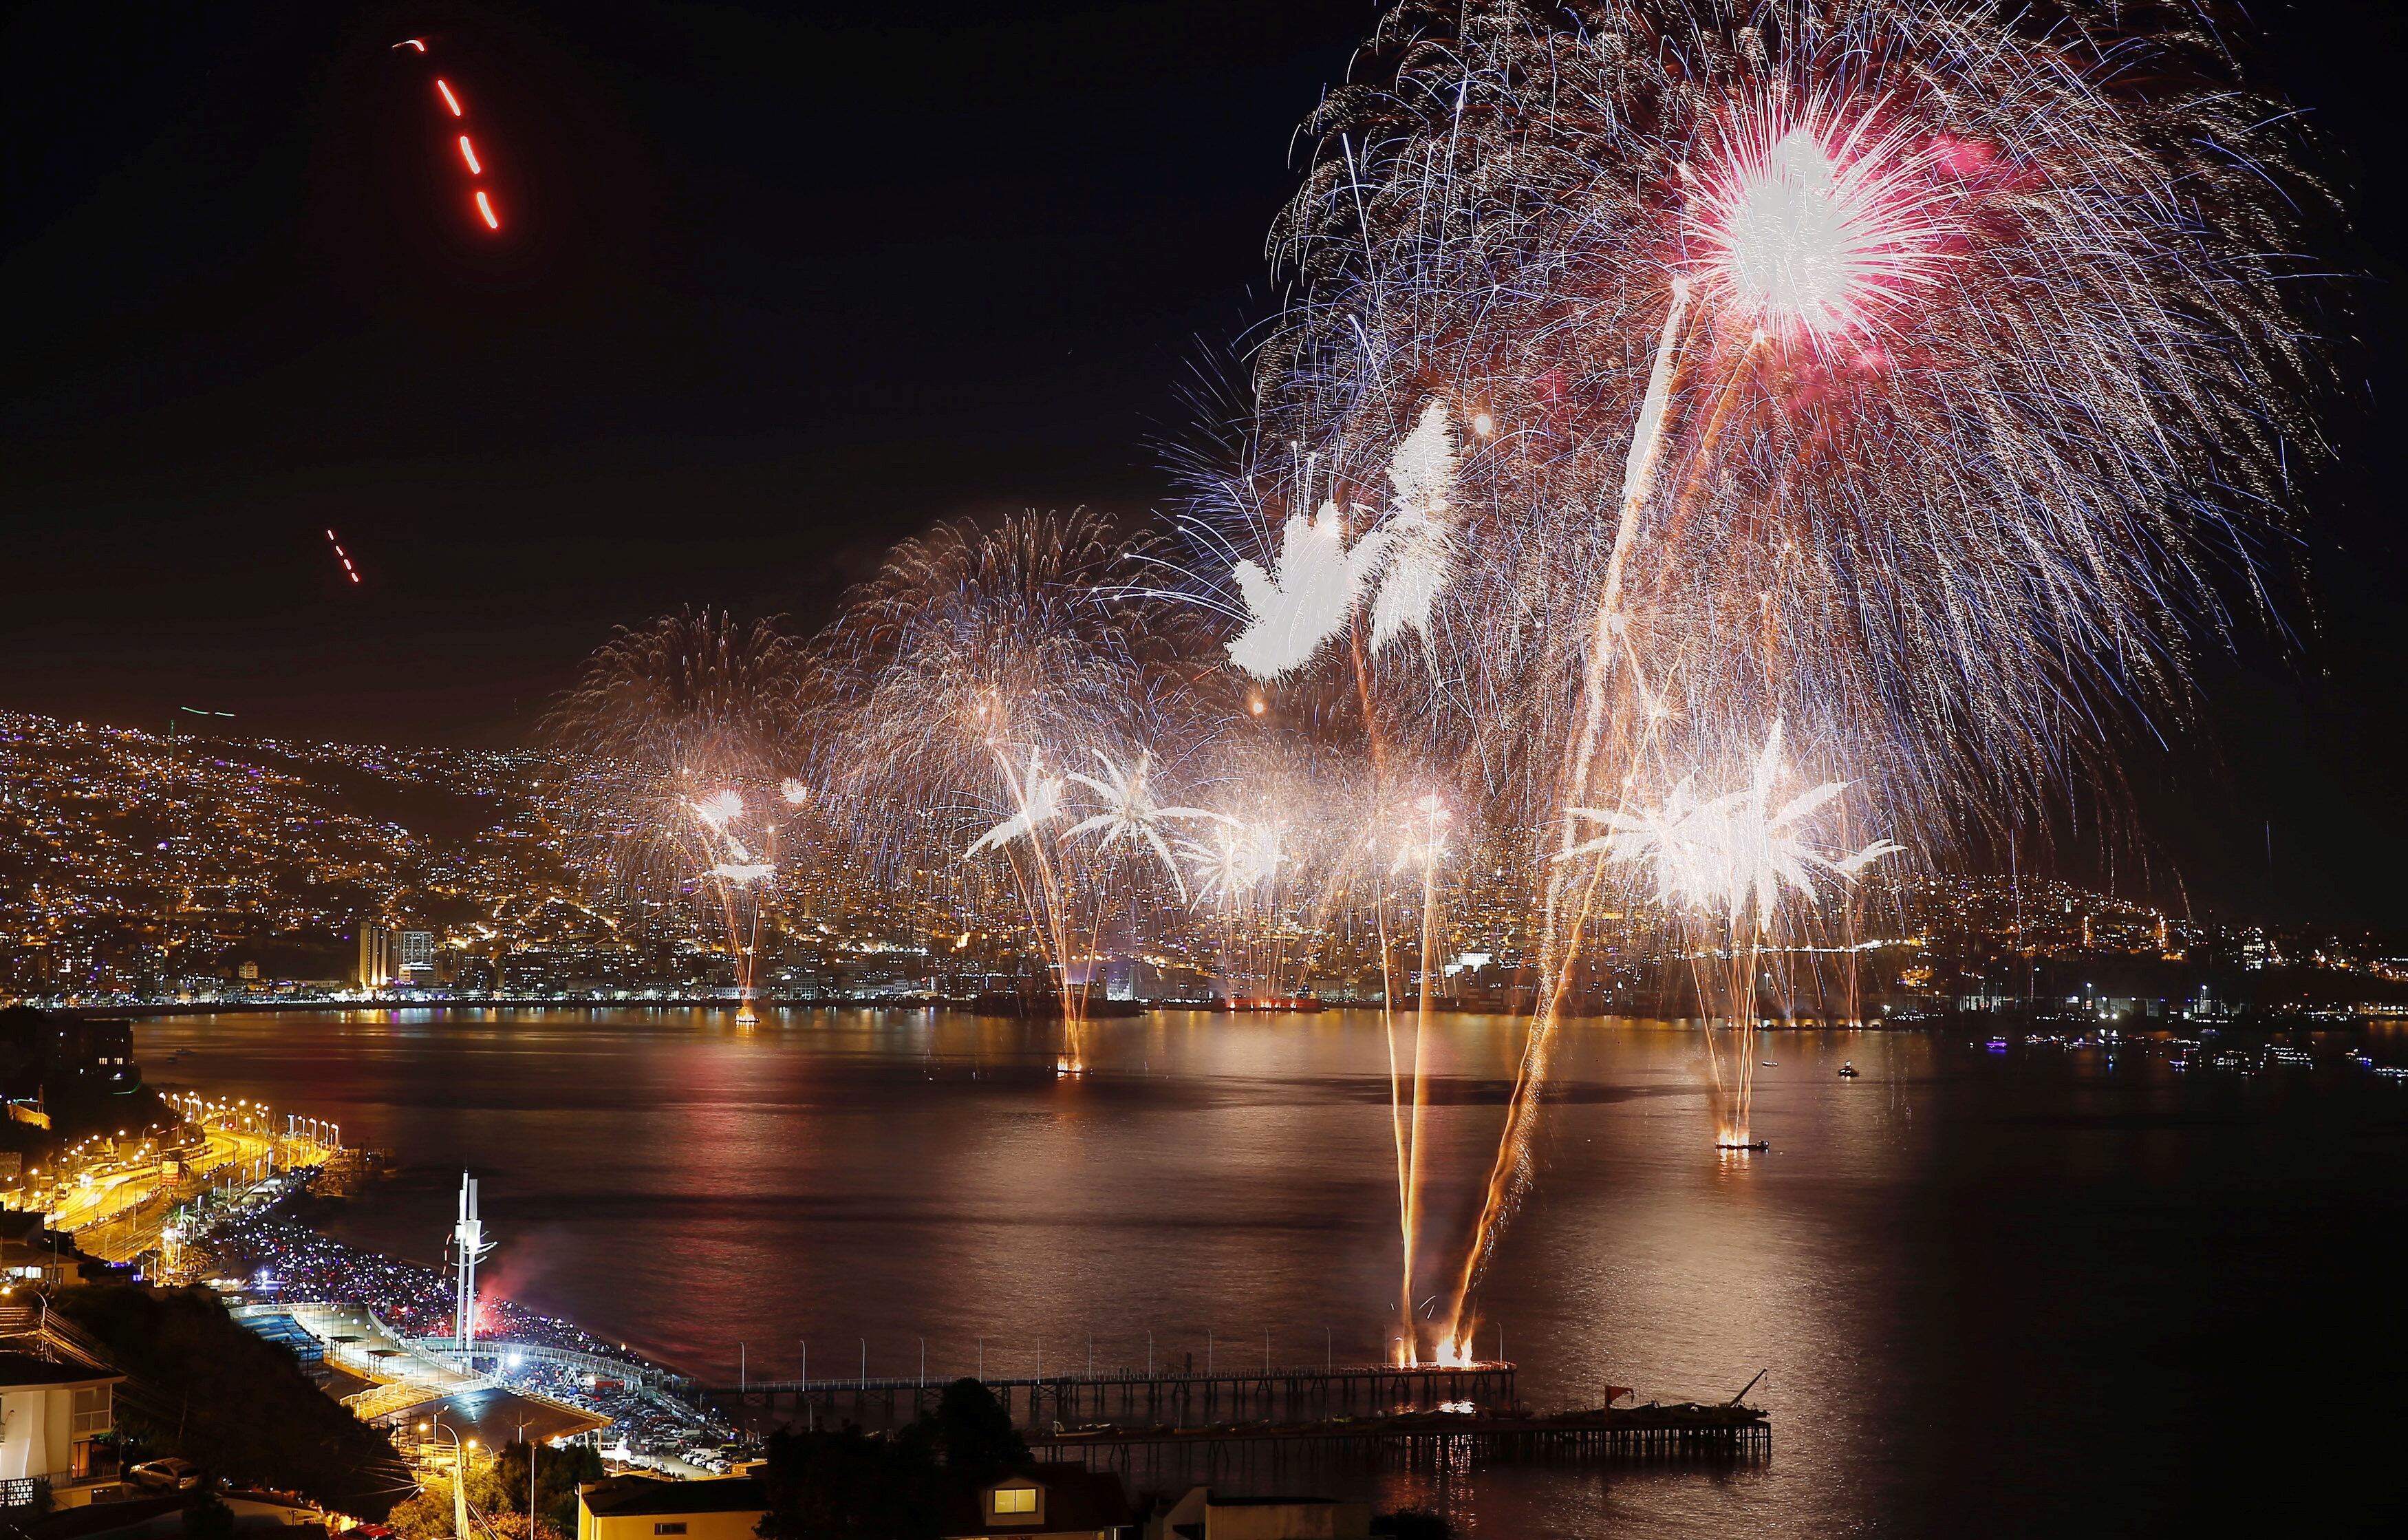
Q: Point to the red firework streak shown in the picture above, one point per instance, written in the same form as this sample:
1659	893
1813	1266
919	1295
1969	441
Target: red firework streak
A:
344	556
475	167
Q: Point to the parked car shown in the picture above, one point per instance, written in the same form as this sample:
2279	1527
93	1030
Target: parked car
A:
171	1475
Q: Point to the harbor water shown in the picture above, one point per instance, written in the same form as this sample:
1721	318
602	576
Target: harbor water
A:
2041	1291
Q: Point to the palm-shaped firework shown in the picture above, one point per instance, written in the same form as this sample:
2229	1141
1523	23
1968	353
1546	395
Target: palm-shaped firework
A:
1130	813
1238	858
1037	800
1731	855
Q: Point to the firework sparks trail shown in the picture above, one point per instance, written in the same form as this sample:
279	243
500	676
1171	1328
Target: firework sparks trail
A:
1972	367
1911	377
1730	858
681	730
973	650
479	195
1037	801
1425	847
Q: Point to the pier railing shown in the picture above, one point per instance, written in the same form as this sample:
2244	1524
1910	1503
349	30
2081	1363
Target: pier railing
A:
1183	1397
1681	1432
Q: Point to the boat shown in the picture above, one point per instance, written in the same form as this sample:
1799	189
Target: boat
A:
1768	1063
1758	1145
1847	1071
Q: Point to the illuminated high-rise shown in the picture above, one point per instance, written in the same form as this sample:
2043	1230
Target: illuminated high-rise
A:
376	955
413	956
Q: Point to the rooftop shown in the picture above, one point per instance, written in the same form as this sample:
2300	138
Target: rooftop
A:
1076	1498
634	1496
21	1369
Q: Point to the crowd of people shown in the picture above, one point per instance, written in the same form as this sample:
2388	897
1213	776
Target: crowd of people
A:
269	1255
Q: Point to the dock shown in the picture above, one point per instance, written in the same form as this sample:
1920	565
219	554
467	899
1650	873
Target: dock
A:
1678	1431
1181	1399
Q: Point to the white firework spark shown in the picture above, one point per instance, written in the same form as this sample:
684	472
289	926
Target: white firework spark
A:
1818	223
1418	553
1239	859
1305	599
1037	798
1731	856
718	810
1131	812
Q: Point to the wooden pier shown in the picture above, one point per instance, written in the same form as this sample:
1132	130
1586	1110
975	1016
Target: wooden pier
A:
1180	1399
1442	1440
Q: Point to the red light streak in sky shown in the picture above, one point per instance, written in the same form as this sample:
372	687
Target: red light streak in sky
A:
467	150
340	555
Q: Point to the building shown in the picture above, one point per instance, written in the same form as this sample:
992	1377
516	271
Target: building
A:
414	957
1201	1516
136	1516
641	1508
31	1253
1052	1502
376	955
60	1428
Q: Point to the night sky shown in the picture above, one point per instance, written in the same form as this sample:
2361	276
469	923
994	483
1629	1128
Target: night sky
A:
779	284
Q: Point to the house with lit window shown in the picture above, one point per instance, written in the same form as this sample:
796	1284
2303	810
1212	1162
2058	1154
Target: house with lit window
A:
58	1428
1051	1501
31	1253
644	1507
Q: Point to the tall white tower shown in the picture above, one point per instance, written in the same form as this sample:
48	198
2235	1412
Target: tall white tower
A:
469	1247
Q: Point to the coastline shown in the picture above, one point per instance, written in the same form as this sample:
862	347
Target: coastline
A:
274	1259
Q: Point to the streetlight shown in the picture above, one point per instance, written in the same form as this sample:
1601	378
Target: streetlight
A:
530	1449
458	1478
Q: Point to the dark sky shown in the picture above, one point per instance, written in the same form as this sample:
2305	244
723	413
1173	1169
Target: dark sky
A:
778	285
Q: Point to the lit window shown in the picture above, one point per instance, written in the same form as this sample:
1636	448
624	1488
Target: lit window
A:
1016	1499
91	1412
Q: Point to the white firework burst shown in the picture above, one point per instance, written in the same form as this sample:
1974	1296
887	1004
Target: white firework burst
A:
1418	544
1037	798
1732	854
1130	813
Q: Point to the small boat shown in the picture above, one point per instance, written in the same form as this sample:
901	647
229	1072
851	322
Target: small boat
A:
1847	1071
1768	1063
1759	1146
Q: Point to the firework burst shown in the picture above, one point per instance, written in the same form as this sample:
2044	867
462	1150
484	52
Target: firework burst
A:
1909	373
684	731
